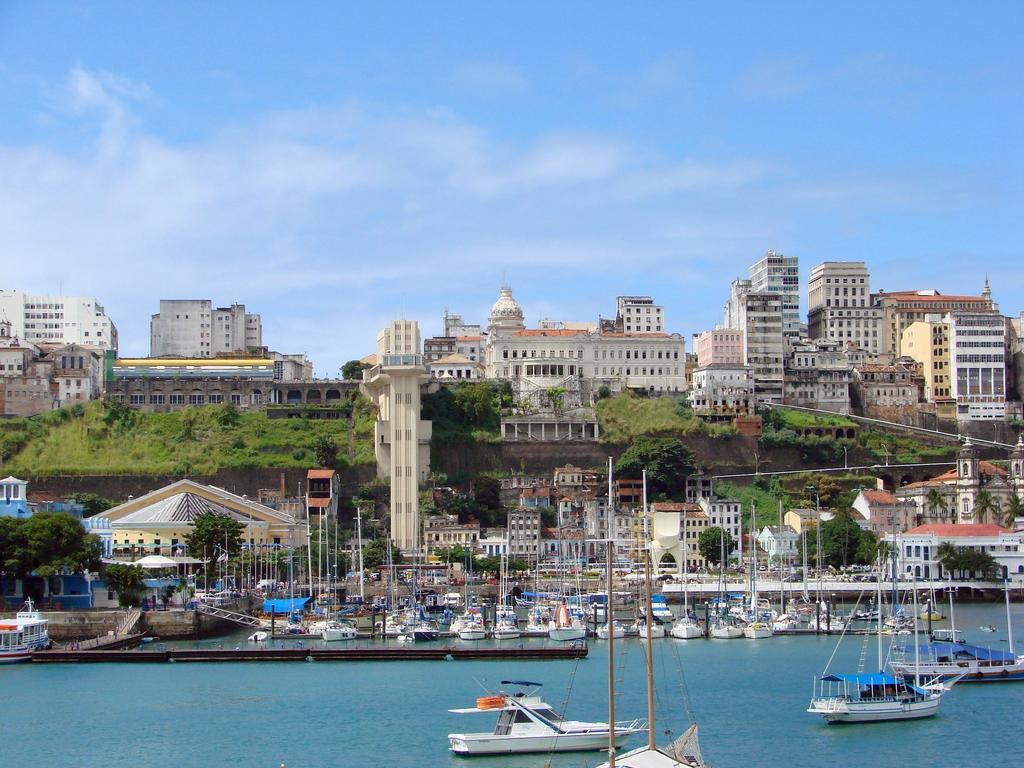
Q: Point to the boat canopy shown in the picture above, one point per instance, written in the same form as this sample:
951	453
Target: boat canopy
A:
873	679
285	605
520	682
962	650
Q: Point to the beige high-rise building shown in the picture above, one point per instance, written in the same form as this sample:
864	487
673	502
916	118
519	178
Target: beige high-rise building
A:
927	342
839	306
401	437
900	309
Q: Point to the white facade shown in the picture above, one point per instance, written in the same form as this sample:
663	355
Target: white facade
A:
58	319
540	358
775	273
524	534
723	513
401	438
639	314
818	375
722	389
978	356
778	542
917	550
839	306
195	328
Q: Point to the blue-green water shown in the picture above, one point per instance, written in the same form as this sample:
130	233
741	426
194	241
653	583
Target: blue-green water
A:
748	697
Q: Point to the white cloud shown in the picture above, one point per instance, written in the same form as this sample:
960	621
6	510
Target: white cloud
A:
330	221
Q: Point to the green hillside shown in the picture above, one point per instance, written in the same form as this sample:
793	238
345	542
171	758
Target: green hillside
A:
111	439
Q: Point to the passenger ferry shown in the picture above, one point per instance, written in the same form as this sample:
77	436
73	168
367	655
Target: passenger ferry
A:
25	633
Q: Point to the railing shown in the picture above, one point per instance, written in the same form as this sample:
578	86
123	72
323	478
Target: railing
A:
223	613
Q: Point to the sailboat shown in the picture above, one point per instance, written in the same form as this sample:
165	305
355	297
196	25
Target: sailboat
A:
684	752
875	696
722	626
756	629
686	627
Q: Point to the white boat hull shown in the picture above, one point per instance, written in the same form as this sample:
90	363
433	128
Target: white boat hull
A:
617	632
490	744
726	633
472	633
843	711
337	635
757	633
567	634
506	634
687	631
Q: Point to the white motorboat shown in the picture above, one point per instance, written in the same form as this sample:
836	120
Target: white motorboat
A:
505	629
526	723
618	630
757	630
334	631
564	628
26	632
871	697
785	623
686	628
259	637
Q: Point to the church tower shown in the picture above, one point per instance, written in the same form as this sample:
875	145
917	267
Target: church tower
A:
1017	467
968	482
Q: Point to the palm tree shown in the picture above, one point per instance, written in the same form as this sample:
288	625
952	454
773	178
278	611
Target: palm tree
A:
1013	509
984	506
935	502
948	555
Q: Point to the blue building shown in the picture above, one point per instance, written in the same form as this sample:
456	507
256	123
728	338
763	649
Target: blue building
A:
14	498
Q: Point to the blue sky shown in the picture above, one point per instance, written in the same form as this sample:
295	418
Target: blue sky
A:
338	165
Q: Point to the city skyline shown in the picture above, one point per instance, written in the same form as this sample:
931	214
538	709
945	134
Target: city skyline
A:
341	169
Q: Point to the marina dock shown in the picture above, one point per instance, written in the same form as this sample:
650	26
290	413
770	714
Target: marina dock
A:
367	653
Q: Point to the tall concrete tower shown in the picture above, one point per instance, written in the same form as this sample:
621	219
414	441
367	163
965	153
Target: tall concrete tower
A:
401	438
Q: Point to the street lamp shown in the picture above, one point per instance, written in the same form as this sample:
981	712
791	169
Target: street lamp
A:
846	461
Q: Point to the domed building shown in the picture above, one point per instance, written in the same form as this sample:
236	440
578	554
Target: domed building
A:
506	315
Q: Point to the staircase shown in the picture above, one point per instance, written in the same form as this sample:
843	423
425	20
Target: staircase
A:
223	613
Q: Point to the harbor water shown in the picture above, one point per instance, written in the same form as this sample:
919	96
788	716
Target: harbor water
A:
748	697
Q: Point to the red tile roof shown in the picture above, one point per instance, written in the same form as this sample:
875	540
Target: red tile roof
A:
879	497
320	474
319	502
960	529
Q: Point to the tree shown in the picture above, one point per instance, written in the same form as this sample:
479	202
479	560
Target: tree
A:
710	544
92	503
1013	509
935	502
375	554
843	542
46	544
668	463
487	492
984	506
126	580
947	556
213	532
325	451
353	369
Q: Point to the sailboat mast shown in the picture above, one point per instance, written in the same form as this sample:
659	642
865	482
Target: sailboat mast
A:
917	646
608	548
753	560
650	617
878	607
686	571
782	589
1009	625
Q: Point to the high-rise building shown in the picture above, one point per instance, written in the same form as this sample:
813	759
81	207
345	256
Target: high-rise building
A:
639	314
57	319
977	351
839	306
775	273
759	316
401	438
195	328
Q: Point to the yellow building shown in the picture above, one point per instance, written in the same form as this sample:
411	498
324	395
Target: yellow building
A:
157	523
928	343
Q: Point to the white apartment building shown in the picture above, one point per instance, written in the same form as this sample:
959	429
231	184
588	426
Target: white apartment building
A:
775	273
839	306
977	353
917	549
524	534
818	375
723	513
58	319
760	317
722	389
195	328
639	314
